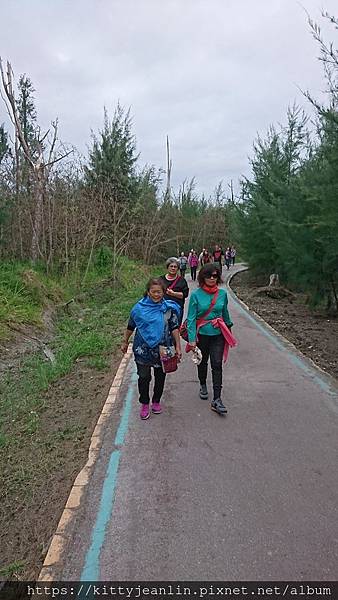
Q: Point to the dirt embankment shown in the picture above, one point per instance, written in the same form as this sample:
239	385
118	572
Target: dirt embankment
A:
54	380
33	497
313	332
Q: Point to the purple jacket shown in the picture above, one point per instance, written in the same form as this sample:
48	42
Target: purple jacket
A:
193	261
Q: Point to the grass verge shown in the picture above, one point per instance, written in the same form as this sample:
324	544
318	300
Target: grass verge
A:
48	409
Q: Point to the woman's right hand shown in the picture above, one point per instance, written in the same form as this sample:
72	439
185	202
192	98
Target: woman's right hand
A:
124	347
192	345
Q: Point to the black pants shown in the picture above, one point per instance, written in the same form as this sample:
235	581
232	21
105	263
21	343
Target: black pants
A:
182	272
193	273
213	346
233	260
144	379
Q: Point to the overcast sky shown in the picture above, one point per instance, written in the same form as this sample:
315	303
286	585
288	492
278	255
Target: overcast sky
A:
209	73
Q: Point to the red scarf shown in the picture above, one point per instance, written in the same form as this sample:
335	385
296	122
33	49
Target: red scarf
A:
210	290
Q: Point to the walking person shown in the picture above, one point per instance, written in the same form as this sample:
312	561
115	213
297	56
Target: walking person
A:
156	322
176	287
209	325
183	261
190	254
233	255
193	264
217	256
200	257
206	257
228	257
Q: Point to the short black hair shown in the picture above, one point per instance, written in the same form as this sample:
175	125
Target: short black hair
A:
208	270
154	281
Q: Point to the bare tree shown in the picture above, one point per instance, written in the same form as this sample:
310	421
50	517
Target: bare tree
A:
167	193
39	165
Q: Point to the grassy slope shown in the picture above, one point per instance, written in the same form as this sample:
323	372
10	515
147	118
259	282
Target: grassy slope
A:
86	338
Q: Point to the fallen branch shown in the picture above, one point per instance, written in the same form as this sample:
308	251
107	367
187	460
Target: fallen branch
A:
277	292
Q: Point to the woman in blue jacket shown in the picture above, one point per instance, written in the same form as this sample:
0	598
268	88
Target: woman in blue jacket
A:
155	322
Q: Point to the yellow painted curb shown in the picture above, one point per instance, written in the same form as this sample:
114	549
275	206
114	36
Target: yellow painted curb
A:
59	540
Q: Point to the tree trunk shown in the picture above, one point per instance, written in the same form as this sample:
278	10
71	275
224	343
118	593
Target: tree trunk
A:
334	293
274	280
37	218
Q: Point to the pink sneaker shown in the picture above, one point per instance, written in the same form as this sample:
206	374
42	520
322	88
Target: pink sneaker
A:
156	408
145	411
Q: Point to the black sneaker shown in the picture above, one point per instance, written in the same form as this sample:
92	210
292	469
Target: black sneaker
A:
204	392
218	406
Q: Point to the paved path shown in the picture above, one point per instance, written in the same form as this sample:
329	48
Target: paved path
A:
190	495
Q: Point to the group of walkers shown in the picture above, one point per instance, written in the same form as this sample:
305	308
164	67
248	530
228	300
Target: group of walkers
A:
157	322
217	256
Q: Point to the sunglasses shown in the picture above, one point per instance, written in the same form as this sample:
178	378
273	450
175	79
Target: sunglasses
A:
212	276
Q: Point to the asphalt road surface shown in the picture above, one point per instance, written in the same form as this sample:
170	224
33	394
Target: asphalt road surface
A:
191	495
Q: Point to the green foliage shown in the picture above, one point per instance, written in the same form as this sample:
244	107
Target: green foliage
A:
112	157
17	303
4	146
288	217
313	223
14	569
5	153
91	334
24	293
264	207
103	260
27	110
146	202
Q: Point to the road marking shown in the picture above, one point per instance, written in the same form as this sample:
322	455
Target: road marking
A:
49	570
91	570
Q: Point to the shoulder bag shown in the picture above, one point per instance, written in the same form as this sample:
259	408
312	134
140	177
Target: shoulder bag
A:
184	327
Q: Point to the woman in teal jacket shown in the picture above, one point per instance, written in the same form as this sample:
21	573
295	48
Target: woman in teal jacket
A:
208	337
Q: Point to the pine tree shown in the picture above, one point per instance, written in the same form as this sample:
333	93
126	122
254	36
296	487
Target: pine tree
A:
314	226
112	158
28	120
263	213
27	110
4	146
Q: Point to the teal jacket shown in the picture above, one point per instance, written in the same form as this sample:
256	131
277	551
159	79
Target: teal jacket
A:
199	304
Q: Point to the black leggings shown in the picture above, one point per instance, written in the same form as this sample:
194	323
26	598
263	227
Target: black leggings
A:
213	346
144	379
193	273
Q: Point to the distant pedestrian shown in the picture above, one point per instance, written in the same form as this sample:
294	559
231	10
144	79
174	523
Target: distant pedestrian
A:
208	325
183	261
193	263
200	257
156	322
228	257
233	254
206	257
217	256
176	287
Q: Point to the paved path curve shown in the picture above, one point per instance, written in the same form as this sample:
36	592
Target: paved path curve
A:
190	495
